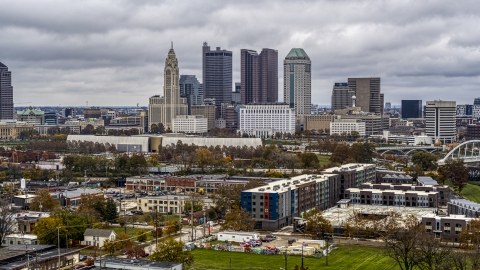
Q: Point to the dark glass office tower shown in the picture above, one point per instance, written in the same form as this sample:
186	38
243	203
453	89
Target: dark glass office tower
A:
411	109
6	93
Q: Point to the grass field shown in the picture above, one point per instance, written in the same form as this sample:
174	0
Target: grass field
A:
360	257
323	159
131	231
472	192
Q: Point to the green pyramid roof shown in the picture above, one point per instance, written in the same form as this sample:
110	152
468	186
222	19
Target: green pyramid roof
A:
297	52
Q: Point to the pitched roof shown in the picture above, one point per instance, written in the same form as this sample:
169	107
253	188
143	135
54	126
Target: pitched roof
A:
98	232
297	52
2	65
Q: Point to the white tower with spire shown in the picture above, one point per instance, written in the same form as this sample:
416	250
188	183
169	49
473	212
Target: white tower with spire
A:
164	109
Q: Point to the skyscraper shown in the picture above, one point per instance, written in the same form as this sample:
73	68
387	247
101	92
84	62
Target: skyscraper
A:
164	109
341	96
440	118
259	76
297	83
6	93
367	91
217	74
269	75
249	77
191	89
412	109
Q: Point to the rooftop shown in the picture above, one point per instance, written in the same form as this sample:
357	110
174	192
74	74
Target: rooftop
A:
297	52
124	263
290	183
427	180
97	232
394	191
337	216
349	167
466	203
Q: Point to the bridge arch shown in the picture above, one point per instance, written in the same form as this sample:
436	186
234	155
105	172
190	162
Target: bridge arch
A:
463	146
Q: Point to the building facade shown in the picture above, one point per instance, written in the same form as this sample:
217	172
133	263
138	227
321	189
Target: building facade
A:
264	120
174	204
164	109
217	74
297	83
259	76
191	89
412	109
352	176
367	92
339	126
12	130
440	118
393	197
31	116
464	110
319	122
275	205
207	111
190	124
341	96
6	93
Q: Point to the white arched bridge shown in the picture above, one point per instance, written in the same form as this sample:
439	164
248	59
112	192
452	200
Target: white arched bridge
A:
408	149
468	151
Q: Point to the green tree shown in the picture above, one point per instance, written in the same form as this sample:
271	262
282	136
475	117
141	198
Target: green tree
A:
427	161
204	158
238	219
309	160
317	225
110	214
171	250
456	172
212	214
44	199
171	227
158	231
109	247
362	152
123	241
196	207
340	154
141	235
46	231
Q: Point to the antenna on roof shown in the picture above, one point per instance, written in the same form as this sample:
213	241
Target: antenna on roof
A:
171	44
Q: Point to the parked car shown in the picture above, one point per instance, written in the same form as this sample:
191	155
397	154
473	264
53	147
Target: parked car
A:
271	236
78	266
291	241
83	257
256	243
266	239
145	224
136	223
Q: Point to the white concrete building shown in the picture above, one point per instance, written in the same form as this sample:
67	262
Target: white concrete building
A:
19	239
339	126
440	117
264	120
190	124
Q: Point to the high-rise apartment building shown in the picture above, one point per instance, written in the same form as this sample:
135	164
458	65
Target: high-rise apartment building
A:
259	76
6	93
164	109
367	91
217	74
297	83
440	118
411	109
341	96
476	101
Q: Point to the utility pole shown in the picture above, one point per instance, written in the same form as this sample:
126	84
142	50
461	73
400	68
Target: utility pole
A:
191	214
156	228
58	235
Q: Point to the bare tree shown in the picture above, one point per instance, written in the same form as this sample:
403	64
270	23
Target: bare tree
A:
7	219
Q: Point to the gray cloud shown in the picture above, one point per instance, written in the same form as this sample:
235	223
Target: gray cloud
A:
113	52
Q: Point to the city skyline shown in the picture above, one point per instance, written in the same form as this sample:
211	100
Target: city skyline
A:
114	56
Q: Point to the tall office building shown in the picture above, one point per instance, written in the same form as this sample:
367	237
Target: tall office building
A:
236	95
192	90
412	109
259	76
164	109
341	96
476	101
297	83
440	118
464	110
6	93
367	91
217	74
249	77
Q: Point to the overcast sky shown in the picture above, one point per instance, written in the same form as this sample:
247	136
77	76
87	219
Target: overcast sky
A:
113	52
